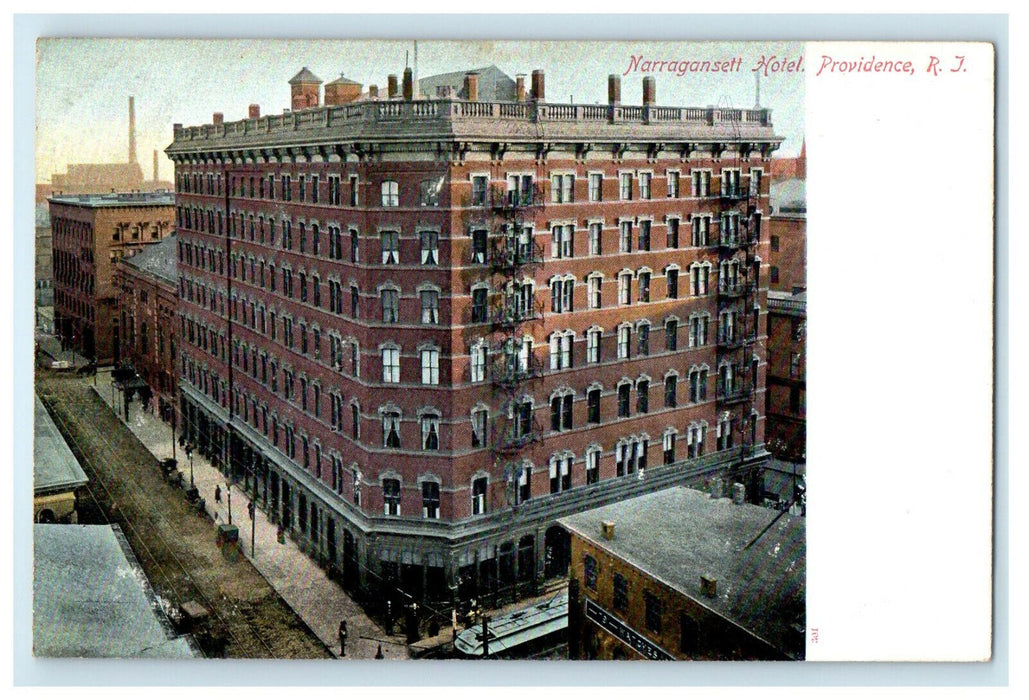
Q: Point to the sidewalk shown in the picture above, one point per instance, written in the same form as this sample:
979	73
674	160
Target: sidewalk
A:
320	602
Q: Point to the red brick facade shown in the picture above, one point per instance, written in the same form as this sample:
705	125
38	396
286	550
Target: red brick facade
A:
352	412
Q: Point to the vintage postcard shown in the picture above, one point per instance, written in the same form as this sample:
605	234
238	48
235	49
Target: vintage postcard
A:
353	350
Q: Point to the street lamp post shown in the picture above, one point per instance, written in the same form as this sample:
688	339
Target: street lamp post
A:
189	453
228	488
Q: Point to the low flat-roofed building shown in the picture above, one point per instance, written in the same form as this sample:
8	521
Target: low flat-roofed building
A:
685	575
56	472
91	599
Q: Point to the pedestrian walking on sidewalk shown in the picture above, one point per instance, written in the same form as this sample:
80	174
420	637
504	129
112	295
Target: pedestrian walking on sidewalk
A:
379	654
342	637
218	493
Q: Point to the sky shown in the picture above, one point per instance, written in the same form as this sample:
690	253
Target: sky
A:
83	85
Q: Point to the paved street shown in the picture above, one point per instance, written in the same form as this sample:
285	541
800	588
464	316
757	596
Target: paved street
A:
321	603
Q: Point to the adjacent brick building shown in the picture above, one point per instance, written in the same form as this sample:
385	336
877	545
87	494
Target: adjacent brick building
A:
91	233
681	574
423	329
147	285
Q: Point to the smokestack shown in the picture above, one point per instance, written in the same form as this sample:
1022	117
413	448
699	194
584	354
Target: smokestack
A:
471	87
649	90
391	87
217	117
538	91
416	93
614	89
254	112
520	88
408	85
155	166
132	129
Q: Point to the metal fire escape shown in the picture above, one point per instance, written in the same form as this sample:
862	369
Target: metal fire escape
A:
514	370
739	233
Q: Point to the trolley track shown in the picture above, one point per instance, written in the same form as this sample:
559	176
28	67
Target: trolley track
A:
172	541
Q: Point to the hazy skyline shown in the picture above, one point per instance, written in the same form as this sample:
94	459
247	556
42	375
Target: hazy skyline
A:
83	85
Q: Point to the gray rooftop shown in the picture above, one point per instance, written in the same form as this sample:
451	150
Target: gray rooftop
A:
679	534
55	469
158	259
494	84
92	600
117	199
304	76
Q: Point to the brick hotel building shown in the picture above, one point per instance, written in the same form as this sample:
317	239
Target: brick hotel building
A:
424	328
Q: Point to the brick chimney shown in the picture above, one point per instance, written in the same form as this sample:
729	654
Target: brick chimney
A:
391	87
538	87
408	84
218	118
739	494
471	87
715	488
155	166
709	586
305	89
607	529
614	89
520	88
373	92
254	112
649	90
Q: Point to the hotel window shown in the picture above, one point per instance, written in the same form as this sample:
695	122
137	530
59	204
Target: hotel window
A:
698	385
625	186
480	305
698	331
701	183
479	185
480	418
595	234
479	243
620	593
774	274
390	247
428	192
672	233
593	406
334	190
478	361
671	335
643	339
623	399
700	226
353	190
593	466
562	188
624	288
561	292
355	297
730	182
390	305
561	412
519	189
355	421
562	241
430	499
593	285
593	345
794	364
430	366
723	434
645	185
596	182
391	496
430	247
303	188
755	182
623	341
673	184
645	234
560	474
391	365
561	349
430	306
671	383
695	441
775	244
672	283
642	396
479	496
524	491
390	194
430	432
644	286
625	237
391	429
523	418
355	247
589	572
699	277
